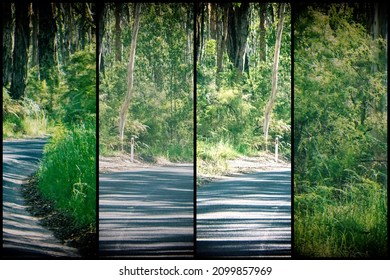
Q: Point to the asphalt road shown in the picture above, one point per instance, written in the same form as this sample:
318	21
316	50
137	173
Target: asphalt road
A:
147	213
23	236
245	216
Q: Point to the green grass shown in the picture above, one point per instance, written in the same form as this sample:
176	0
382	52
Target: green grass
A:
171	152
23	118
348	222
25	127
212	157
67	174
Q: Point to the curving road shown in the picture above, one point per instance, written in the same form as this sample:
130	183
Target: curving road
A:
23	236
147	213
245	216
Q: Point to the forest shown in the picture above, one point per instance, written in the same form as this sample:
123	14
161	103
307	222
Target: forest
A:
340	130
49	90
243	78
146	80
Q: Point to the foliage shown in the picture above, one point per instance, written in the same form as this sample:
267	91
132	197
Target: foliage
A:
161	112
212	157
22	117
79	101
230	106
340	136
72	151
348	222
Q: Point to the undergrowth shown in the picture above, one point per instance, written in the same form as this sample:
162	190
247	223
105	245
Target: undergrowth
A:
23	118
67	174
212	157
348	222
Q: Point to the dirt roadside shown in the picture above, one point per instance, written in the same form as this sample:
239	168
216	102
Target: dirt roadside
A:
122	162
247	164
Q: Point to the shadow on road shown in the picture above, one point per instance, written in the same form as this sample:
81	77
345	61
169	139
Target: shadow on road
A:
147	213
23	236
245	216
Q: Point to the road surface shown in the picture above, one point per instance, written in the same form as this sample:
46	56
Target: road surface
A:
245	216
23	236
147	213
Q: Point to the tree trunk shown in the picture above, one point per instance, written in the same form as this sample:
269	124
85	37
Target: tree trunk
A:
130	75
213	14
197	32
238	34
118	31
101	19
62	49
262	45
268	109
21	44
225	26
7	42
34	39
70	29
46	42
202	38
219	44
189	28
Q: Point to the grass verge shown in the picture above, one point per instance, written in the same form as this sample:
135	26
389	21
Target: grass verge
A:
212	159
350	222
67	176
61	223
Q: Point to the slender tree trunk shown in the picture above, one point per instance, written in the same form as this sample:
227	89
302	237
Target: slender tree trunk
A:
70	30
101	19
46	41
219	45
130	75
188	54
8	30
197	32
21	44
34	57
213	14
268	109
62	50
47	50
118	31
202	38
262	45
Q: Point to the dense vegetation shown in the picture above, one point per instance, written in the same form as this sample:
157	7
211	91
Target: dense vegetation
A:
160	112
235	46
49	82
340	132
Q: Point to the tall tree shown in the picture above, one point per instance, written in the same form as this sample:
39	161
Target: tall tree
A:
7	41
238	35
34	35
262	31
21	44
46	42
101	19
130	75
268	109
118	31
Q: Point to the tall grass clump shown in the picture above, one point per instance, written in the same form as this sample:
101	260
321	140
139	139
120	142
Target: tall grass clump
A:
169	151
67	174
212	157
23	117
348	222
